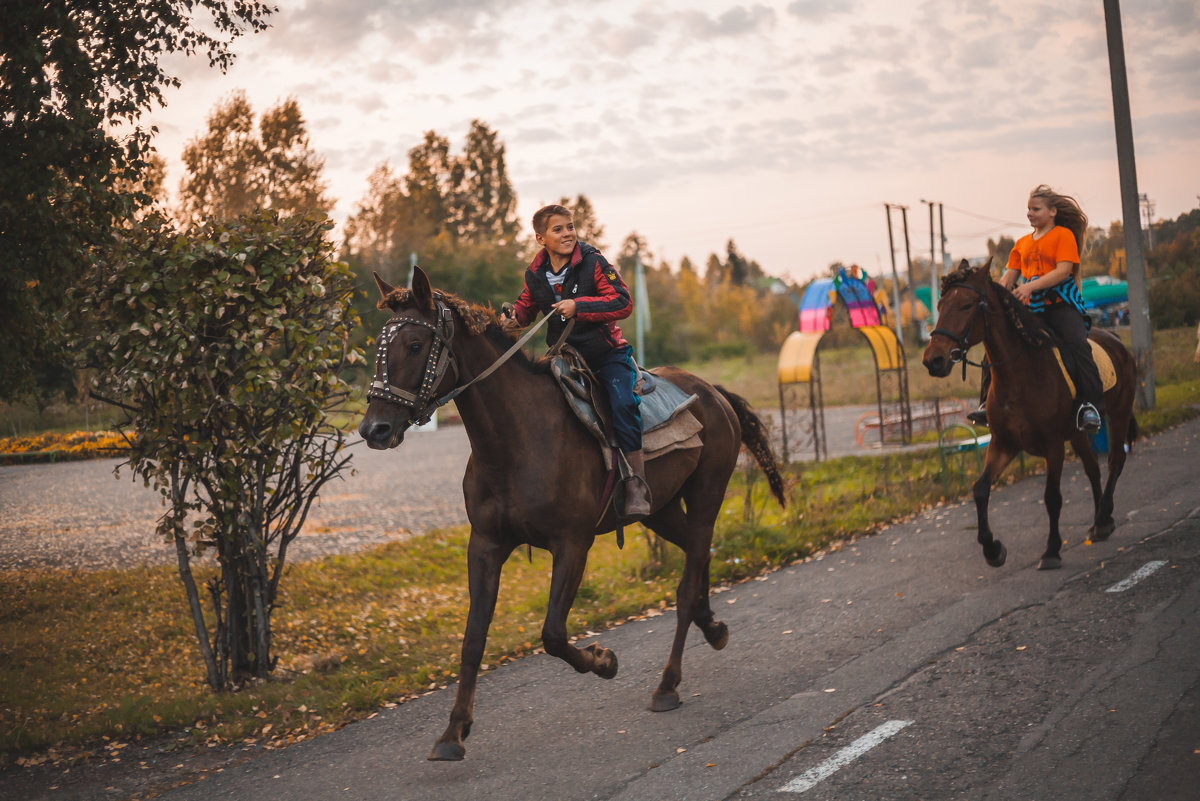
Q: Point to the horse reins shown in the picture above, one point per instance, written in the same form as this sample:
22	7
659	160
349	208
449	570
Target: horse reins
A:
959	353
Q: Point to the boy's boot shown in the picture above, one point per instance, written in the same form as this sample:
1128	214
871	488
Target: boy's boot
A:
636	489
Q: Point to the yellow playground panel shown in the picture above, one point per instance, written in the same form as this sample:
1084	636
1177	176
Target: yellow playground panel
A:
799	363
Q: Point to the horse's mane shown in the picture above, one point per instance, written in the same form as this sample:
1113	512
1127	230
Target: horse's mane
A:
480	320
1031	328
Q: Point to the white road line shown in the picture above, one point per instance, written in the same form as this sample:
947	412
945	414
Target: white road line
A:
811	778
1137	575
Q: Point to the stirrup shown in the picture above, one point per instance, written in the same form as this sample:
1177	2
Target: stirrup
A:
1087	418
979	416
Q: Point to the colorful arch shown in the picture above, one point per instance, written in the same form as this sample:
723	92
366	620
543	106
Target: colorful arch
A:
858	293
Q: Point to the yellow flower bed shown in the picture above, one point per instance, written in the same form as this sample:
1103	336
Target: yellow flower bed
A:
57	446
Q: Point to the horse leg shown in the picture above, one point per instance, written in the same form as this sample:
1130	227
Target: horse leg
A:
692	532
570	559
670	524
484	562
1118	430
997	459
1091	466
1051	560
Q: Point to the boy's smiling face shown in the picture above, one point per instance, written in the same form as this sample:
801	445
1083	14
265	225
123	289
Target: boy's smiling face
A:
559	238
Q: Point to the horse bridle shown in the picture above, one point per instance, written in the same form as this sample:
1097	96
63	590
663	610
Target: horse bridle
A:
959	352
441	357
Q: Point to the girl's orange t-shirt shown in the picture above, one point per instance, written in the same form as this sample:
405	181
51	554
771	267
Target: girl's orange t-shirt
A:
1036	257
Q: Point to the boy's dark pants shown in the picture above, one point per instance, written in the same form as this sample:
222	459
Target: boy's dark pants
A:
616	371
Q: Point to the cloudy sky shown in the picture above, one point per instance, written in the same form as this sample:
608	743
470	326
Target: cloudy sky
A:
783	125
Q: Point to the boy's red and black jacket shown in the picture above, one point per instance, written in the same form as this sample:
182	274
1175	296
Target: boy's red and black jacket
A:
601	298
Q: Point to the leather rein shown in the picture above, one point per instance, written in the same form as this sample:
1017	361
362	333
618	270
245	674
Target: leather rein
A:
959	352
424	402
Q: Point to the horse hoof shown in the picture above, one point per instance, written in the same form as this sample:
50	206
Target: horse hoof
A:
1050	563
664	702
1001	556
447	752
604	661
717	636
1101	532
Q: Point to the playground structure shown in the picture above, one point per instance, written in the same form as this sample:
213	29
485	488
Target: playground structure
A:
799	359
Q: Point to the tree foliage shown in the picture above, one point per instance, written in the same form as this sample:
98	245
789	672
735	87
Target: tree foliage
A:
236	167
458	209
74	77
1174	267
587	224
224	346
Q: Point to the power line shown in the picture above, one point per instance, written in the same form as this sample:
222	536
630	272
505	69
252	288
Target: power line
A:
1007	223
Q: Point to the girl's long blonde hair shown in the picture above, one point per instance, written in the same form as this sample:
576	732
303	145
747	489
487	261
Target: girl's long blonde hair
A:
1069	213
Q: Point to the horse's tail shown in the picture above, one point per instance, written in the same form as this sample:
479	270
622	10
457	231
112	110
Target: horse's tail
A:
1133	432
756	439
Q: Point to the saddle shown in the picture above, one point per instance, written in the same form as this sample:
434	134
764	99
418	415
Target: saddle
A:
667	424
1108	373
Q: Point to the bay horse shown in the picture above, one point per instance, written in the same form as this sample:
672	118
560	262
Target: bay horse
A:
1029	405
535	476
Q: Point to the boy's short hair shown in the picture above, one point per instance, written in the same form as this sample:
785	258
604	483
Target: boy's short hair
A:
541	217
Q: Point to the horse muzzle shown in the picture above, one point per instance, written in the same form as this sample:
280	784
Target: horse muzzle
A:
381	435
937	364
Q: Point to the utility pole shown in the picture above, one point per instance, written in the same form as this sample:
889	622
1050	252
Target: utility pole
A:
641	309
1135	257
945	262
887	207
1148	206
908	260
933	270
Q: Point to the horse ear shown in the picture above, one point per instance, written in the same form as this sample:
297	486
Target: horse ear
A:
987	265
422	291
385	289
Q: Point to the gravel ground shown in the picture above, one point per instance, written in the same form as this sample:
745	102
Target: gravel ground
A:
77	515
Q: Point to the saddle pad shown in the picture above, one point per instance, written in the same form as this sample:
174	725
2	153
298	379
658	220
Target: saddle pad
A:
1108	373
660	401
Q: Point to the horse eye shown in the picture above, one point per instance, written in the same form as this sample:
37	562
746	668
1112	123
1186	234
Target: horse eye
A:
414	347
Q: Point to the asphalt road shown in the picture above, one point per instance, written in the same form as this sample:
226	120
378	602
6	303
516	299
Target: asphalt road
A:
899	667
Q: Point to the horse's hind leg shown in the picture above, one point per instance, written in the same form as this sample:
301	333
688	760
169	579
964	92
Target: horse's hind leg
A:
671	524
484	562
692	532
1118	430
570	559
1051	559
1091	466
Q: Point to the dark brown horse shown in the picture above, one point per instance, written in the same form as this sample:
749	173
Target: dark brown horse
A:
535	476
1029	405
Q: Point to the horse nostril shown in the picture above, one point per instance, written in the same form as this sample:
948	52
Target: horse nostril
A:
378	432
